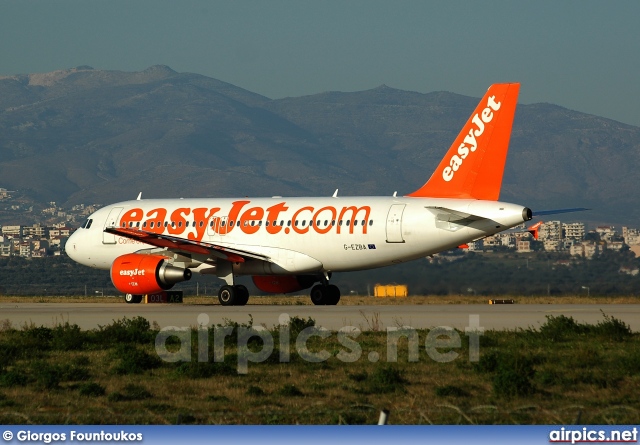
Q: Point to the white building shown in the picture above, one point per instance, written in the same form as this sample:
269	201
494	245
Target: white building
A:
574	231
550	230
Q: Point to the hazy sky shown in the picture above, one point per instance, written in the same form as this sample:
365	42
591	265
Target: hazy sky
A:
583	55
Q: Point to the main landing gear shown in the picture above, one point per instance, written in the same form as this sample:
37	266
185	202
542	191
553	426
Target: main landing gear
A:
237	295
132	299
325	294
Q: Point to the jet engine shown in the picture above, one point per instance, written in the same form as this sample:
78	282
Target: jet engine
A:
139	274
283	284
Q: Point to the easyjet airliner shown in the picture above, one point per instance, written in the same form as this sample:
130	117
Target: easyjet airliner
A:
290	244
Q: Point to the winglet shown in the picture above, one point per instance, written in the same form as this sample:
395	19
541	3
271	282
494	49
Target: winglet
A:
474	165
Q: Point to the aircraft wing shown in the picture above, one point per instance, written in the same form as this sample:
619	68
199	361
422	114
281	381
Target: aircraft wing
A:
175	243
557	211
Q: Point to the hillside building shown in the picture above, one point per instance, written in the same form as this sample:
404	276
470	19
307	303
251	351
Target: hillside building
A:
574	231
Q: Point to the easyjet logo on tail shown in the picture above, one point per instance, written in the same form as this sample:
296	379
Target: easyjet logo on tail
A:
470	142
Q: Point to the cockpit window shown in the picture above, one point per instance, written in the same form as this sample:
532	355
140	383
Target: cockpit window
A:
87	224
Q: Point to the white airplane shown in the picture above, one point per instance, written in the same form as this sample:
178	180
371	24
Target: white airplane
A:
290	244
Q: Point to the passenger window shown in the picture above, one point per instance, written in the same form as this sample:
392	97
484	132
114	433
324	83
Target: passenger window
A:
355	223
347	222
370	222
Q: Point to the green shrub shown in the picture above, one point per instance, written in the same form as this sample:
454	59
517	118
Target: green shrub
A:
91	389
40	333
358	376
68	337
451	391
130	392
384	379
513	377
558	328
297	325
290	391
132	360
186	419
232	338
255	391
45	375
49	376
12	378
6	402
488	362
613	329
81	360
203	370
126	330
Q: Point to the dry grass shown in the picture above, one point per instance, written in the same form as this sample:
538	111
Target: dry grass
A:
588	376
304	300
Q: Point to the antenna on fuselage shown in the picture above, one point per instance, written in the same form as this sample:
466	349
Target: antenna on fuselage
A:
335	194
139	196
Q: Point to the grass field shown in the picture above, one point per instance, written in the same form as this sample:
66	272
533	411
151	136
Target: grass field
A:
562	373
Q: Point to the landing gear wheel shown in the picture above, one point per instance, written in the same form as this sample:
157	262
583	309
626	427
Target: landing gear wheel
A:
242	295
325	295
132	299
318	295
333	294
227	295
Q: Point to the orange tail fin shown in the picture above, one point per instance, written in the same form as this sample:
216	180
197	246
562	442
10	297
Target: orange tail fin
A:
474	165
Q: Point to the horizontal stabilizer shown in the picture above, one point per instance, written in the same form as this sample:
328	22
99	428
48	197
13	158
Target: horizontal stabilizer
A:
534	229
453	220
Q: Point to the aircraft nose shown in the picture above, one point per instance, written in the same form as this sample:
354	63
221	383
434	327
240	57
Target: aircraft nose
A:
72	248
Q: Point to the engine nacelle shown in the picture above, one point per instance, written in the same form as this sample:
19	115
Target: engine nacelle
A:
139	274
283	284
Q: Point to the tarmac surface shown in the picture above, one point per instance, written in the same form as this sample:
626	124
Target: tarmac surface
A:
369	317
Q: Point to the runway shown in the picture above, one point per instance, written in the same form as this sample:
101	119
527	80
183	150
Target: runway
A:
369	317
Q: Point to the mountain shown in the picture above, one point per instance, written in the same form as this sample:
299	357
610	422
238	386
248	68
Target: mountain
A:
92	136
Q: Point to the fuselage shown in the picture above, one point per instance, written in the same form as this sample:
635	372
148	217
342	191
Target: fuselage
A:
298	235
